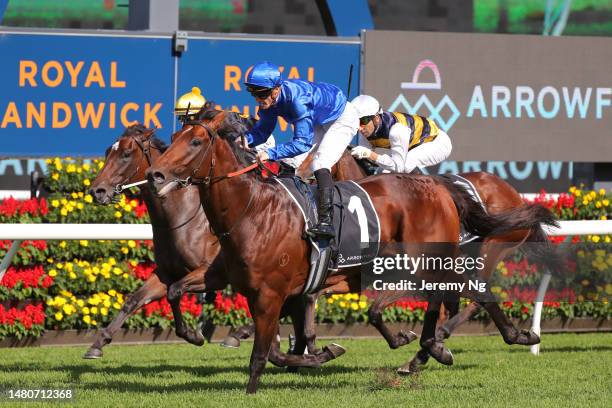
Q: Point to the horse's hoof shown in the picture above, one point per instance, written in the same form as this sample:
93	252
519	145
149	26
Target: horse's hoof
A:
410	336
192	337
438	351
334	350
528	338
93	354
230	342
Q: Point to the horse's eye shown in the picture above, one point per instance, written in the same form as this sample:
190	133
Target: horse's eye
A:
196	142
126	154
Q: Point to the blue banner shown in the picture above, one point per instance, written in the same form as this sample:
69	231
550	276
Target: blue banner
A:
72	95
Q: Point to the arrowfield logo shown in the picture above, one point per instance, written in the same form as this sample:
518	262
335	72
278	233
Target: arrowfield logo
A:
435	110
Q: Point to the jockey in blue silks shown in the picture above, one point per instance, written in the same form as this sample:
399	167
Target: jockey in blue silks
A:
323	120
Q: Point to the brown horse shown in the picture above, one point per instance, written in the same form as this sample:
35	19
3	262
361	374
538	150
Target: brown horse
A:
497	196
183	243
260	233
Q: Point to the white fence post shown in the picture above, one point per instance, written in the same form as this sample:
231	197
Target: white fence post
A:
8	258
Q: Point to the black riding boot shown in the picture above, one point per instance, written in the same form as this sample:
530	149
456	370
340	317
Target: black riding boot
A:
325	227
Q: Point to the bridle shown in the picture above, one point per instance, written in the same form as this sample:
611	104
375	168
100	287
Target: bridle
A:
146	150
210	179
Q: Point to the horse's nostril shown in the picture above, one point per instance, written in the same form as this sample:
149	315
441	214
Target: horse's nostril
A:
100	192
158	177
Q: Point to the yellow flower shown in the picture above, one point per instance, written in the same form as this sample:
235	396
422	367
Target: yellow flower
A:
80	206
585	202
330	300
595	238
48	161
86	166
363	304
131	244
80	194
88	199
124	250
355	306
104	311
86	182
112	261
125	276
80	303
598	204
55	176
64	211
602	191
577	193
87	319
84	242
127	208
52	273
107	303
117	214
62	244
100	164
50	260
117	271
72	275
93	310
59	316
94	323
342	304
71	168
116	305
603	217
55	203
67	309
59	264
85	310
606	202
112	292
133	263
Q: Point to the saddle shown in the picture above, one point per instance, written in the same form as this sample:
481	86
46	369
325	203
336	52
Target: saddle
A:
356	225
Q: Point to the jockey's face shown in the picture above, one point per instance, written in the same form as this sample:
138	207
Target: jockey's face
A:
267	101
368	128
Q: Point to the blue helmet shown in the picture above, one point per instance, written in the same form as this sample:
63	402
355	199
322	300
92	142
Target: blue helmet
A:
264	75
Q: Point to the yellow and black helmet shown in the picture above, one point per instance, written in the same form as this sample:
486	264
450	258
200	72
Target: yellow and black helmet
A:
190	103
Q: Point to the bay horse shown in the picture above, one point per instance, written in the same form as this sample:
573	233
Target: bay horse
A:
261	233
182	242
184	246
497	196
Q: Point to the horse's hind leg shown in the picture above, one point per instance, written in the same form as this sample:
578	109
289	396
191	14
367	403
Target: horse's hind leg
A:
152	289
509	332
375	318
232	340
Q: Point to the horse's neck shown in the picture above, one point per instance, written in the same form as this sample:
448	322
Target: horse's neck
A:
230	202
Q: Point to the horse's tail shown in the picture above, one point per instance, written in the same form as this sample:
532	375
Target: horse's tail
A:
541	251
478	222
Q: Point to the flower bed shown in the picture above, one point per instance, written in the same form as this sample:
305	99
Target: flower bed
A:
83	284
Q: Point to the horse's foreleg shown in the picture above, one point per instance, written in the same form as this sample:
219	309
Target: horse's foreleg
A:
428	340
445	331
232	340
509	332
376	320
152	289
266	312
199	280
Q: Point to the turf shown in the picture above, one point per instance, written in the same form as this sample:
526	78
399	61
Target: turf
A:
572	370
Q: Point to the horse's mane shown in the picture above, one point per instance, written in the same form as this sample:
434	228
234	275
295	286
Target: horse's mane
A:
231	127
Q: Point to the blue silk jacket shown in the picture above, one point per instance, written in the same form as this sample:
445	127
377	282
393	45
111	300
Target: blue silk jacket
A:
304	105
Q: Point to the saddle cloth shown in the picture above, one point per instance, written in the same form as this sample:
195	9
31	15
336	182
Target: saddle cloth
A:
355	221
465	236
